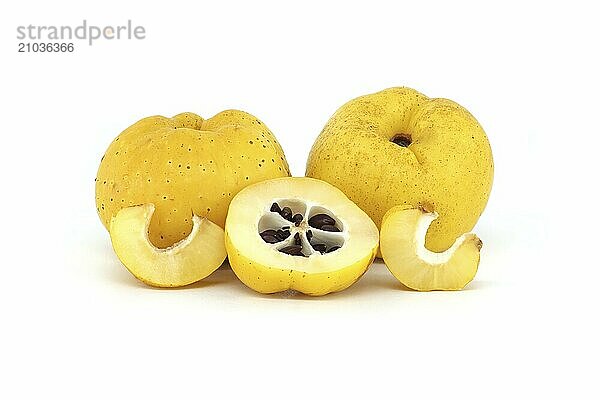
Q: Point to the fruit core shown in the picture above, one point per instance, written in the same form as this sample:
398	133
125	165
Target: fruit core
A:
402	139
296	228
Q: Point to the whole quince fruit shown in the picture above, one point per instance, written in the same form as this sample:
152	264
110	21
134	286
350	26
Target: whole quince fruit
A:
399	147
185	166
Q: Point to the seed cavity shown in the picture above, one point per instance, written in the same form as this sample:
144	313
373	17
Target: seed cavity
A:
319	246
300	239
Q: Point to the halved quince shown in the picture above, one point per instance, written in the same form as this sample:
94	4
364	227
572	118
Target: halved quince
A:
298	233
187	261
403	248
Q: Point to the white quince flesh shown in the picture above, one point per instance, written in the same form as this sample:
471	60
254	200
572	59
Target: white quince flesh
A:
402	244
187	261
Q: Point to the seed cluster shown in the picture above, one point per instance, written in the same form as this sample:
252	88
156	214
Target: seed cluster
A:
320	221
275	236
286	213
323	222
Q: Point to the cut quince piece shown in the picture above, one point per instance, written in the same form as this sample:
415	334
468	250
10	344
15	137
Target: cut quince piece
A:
403	248
298	233
188	261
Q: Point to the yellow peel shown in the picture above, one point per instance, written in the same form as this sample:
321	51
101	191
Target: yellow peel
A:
185	163
448	164
265	279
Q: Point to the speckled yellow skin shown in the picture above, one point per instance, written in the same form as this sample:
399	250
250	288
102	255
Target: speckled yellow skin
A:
448	167
185	164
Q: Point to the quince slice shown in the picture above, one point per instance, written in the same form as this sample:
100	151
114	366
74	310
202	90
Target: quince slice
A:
301	234
187	261
403	248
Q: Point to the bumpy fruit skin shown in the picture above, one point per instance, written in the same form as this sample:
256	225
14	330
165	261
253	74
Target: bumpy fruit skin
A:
185	165
448	167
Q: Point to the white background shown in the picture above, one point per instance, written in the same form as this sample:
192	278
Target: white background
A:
75	324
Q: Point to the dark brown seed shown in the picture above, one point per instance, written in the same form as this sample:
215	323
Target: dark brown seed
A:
297	219
332	248
330	228
270	238
297	239
309	235
281	234
292	250
275	208
320	247
286	213
318	220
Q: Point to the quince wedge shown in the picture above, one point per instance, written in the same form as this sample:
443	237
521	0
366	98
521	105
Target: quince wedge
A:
188	261
402	246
